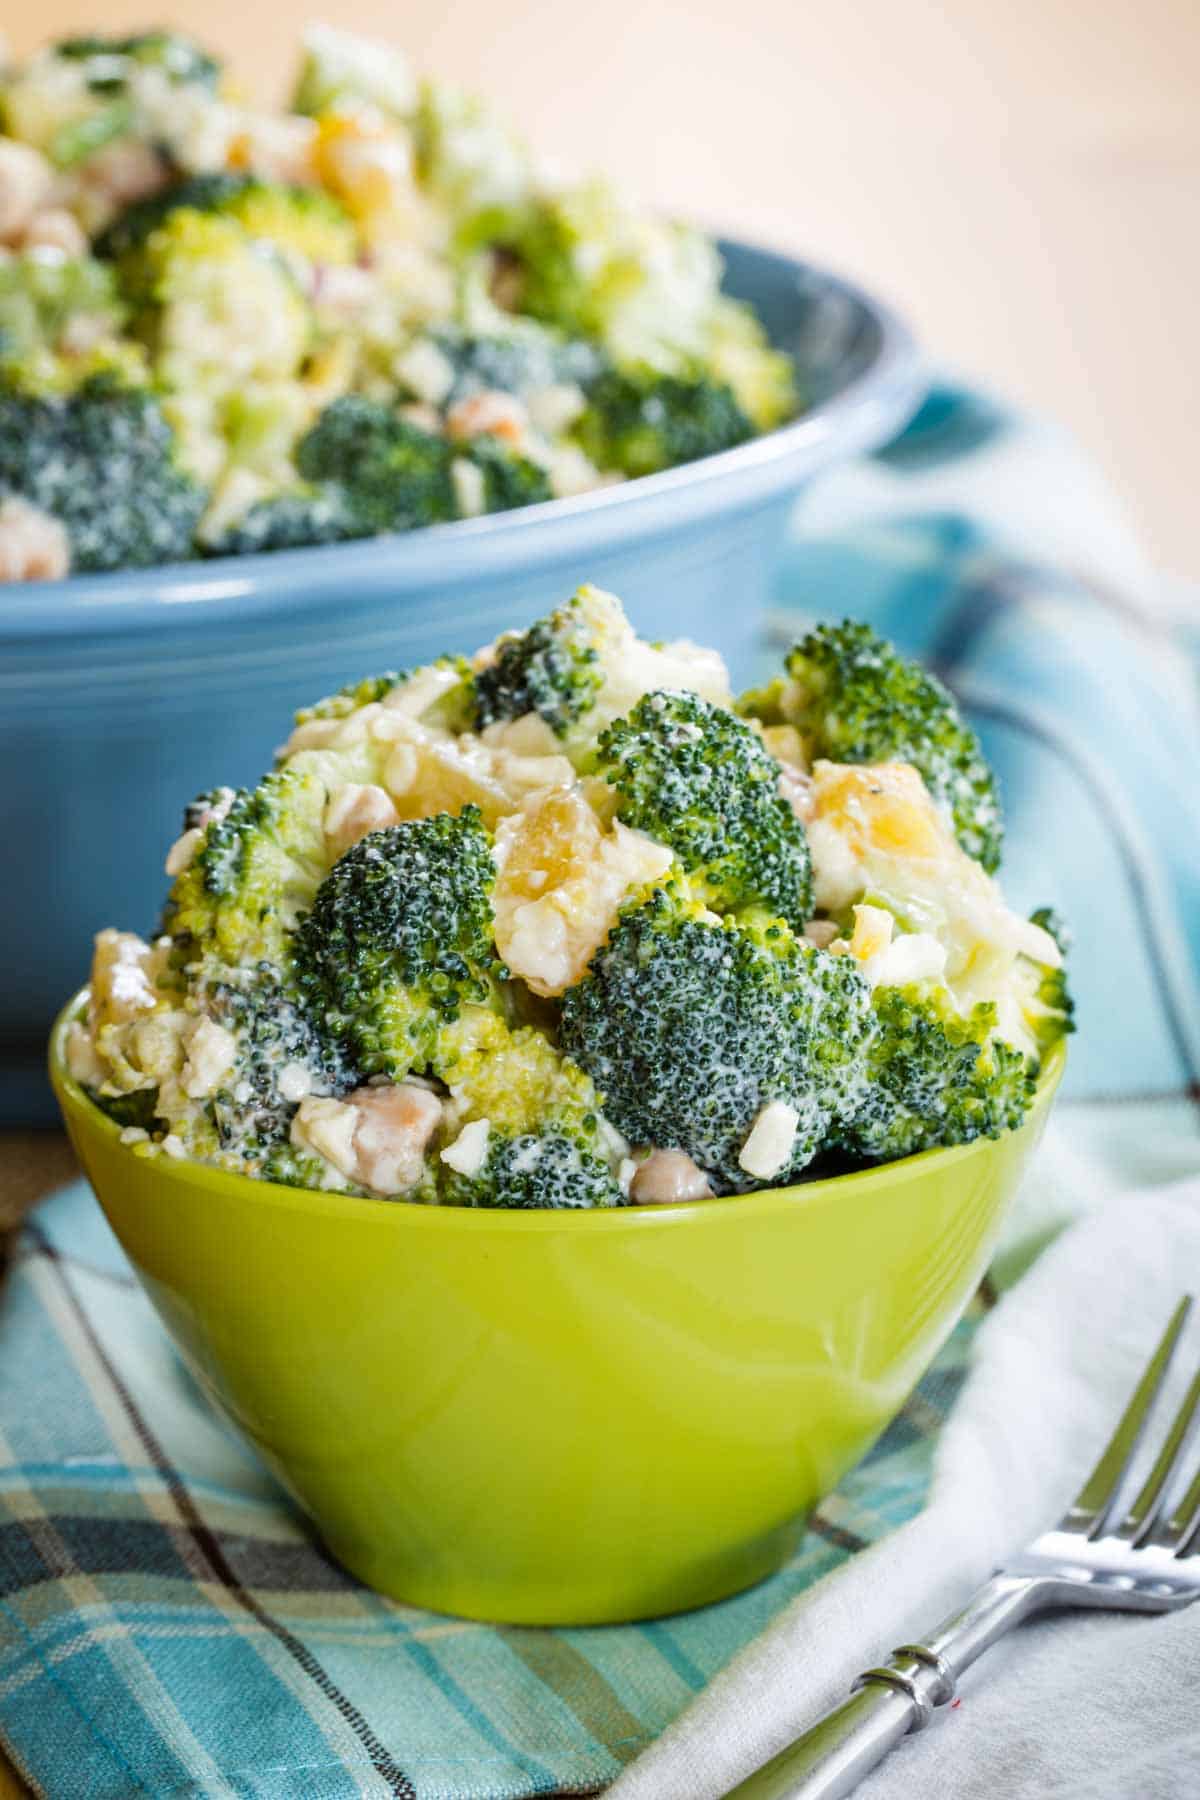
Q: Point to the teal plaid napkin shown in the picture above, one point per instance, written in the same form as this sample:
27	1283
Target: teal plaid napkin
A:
168	1627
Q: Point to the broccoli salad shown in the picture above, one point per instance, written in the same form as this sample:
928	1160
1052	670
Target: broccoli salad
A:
224	329
569	925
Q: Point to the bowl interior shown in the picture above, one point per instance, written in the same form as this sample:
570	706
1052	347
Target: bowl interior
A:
821	322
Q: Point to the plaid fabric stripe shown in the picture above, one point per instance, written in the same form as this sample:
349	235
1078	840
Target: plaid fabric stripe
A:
167	1626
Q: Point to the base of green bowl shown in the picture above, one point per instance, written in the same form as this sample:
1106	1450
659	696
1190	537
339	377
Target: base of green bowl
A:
603	1597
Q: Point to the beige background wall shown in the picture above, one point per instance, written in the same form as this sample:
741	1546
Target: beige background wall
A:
1022	176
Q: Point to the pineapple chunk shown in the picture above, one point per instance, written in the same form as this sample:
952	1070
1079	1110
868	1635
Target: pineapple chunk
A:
561	880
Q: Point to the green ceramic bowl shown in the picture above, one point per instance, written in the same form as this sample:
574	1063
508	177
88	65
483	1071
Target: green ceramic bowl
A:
558	1418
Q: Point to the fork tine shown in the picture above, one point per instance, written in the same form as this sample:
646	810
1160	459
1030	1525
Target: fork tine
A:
1146	1510
1183	1527
1096	1503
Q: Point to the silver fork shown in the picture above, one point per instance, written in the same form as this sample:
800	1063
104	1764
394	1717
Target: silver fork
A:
1143	1559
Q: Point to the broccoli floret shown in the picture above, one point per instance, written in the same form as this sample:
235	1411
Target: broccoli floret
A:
392	474
855	699
1046	1004
290	521
211	300
348	699
689	1026
649	291
399	940
102	459
545	1145
696	778
737	351
41	297
935	1077
528	356
515	1078
581	259
302	221
641	422
553	669
369	470
228	329
274	1031
255	872
583	666
509	479
450	708
536	1170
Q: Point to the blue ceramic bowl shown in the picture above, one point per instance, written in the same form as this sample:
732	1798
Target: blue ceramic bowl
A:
123	695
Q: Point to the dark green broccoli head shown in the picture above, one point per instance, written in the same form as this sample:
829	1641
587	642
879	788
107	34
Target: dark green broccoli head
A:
102	460
334	512
41	296
696	778
399	939
521	361
935	1077
855	699
553	669
255	871
302	220
553	1169
274	1031
509	479
641	422
393	475
689	1026
290	521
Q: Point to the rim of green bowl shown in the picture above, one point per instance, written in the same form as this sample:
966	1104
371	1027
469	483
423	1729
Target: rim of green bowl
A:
71	1096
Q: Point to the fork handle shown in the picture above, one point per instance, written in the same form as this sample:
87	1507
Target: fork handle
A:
885	1704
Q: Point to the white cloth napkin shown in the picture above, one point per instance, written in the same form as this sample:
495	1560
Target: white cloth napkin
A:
1101	1706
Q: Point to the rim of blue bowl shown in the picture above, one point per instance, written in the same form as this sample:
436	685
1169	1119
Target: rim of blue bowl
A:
471	1218
880	397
